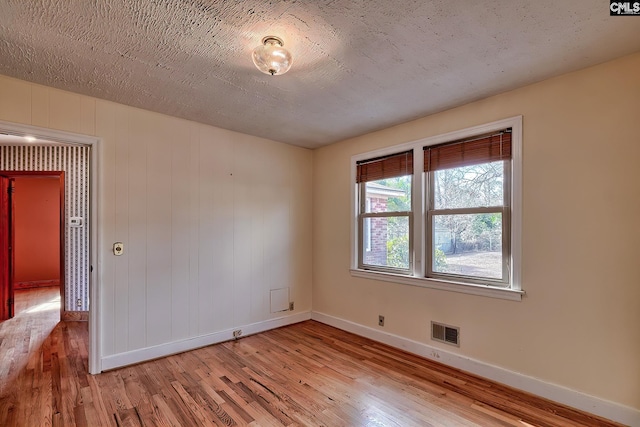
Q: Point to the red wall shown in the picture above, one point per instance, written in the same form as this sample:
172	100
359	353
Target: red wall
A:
37	230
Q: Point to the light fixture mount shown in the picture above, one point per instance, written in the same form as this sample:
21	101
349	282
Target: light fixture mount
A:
272	39
271	57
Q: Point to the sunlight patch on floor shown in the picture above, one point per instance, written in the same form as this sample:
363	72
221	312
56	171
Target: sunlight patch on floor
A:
53	304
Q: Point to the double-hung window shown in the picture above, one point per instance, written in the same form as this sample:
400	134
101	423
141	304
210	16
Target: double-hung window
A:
385	213
468	209
454	223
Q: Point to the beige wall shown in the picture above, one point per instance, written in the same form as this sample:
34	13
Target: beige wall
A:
578	326
211	220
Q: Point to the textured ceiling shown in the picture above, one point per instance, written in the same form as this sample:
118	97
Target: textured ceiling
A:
359	65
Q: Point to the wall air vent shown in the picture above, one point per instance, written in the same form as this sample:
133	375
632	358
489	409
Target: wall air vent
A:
445	333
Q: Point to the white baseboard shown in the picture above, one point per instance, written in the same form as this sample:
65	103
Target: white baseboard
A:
144	354
575	399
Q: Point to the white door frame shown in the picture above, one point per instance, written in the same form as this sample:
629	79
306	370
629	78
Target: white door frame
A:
95	186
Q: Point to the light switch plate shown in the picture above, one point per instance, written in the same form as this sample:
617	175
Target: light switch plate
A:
118	248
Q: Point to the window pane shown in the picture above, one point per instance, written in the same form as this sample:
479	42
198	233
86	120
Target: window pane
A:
389	242
389	195
469	186
469	245
366	233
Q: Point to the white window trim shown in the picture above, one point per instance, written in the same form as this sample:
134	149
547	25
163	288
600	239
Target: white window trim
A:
367	243
417	278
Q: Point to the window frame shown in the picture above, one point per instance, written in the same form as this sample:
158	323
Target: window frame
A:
366	232
504	210
363	214
418	275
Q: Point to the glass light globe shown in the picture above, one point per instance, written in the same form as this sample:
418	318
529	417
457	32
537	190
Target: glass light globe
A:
271	57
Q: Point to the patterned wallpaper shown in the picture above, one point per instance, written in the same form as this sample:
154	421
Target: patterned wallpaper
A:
74	161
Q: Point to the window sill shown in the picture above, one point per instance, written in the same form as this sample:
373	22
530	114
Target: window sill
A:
465	288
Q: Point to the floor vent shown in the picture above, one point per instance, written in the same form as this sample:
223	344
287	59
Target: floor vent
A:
446	334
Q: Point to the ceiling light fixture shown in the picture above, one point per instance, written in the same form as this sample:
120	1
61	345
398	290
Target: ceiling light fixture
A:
30	138
271	57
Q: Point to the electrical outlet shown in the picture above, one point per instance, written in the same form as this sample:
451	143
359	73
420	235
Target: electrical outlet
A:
237	333
291	306
380	320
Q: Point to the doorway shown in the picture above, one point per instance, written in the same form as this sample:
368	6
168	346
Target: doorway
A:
78	155
33	242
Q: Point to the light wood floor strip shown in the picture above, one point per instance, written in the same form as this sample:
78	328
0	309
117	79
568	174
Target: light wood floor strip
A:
307	374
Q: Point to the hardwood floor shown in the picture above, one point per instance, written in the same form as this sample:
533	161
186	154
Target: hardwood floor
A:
307	374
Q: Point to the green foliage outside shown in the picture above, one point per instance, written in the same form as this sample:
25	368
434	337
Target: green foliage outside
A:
398	227
440	260
477	185
398	252
466	187
485	231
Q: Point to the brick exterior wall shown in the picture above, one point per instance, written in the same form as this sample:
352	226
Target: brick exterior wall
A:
377	255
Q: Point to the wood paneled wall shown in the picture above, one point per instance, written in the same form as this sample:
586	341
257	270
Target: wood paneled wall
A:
211	220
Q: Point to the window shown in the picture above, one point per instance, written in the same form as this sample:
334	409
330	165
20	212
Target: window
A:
455	223
468	200
385	213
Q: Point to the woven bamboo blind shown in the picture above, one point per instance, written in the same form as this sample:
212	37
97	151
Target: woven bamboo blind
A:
392	166
481	149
